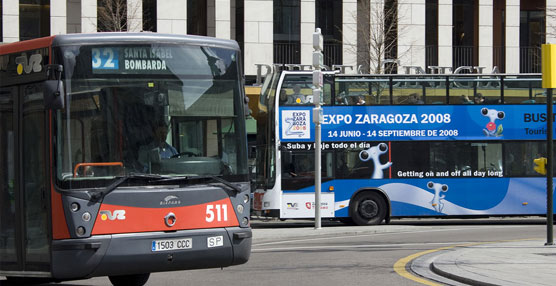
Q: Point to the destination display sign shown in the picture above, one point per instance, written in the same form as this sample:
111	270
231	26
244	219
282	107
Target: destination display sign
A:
422	122
135	60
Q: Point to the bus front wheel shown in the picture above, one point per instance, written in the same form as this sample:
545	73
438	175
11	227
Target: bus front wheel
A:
368	208
129	280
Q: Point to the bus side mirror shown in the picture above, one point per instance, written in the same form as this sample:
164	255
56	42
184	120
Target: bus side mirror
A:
54	94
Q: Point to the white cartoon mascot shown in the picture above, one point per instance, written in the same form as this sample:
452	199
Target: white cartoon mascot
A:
437	199
374	154
492	115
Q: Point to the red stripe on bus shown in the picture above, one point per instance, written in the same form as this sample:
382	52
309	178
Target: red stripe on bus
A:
209	215
26	45
59	223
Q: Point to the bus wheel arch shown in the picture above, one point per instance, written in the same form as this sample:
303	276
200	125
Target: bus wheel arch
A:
369	207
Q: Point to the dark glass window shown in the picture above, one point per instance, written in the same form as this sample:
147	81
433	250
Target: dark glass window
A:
329	20
239	25
197	17
34	19
390	35
465	23
431	34
149	15
287	31
532	28
1	21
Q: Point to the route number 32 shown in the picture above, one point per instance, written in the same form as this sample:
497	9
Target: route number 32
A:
218	212
104	58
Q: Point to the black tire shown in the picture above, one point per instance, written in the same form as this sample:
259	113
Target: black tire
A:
368	208
130	280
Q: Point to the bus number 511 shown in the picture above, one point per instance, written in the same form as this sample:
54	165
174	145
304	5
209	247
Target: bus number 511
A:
221	213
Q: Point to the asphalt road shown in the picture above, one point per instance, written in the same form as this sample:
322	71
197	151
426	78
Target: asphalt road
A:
344	258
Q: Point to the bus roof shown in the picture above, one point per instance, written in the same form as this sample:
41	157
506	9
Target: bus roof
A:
114	38
124	37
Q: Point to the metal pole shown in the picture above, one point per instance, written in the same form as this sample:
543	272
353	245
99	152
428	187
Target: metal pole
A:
549	171
317	174
317	117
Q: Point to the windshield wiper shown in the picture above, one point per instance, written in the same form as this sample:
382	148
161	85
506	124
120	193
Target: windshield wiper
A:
228	184
121	180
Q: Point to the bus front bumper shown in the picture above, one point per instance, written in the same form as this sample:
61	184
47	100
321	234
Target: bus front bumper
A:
124	254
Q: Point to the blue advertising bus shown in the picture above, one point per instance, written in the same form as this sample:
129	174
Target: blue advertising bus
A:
403	146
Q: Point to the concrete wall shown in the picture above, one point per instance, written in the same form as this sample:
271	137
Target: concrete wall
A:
171	17
259	32
10	20
411	33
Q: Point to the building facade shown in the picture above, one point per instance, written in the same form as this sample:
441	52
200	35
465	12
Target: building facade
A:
403	36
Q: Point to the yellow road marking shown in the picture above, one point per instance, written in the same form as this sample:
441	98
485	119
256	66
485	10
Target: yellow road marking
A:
401	265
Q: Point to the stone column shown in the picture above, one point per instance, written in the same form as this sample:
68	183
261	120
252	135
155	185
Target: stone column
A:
411	33
551	21
223	21
308	20
349	34
485	34
134	15
58	17
171	17
445	33
512	36
88	16
259	34
10	21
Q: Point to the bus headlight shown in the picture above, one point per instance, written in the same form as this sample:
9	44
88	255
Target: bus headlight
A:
74	207
86	216
80	231
244	221
239	208
245	199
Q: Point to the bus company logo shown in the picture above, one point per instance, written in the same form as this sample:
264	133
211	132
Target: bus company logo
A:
115	215
170	201
311	205
28	65
292	206
491	129
295	124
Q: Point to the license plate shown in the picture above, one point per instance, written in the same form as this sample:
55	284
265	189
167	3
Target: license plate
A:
215	241
172	244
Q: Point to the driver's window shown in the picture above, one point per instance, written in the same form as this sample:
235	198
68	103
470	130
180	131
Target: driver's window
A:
190	134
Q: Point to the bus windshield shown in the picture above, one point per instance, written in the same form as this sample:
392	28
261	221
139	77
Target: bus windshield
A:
157	109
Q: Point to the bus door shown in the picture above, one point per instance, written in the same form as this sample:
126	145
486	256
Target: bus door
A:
298	181
24	227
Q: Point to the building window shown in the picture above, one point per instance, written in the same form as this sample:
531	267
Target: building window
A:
149	15
197	17
499	35
531	35
287	31
465	23
34	19
390	16
1	21
431	34
238	23
111	15
329	20
364	36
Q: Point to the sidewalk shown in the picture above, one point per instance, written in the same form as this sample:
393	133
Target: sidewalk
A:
522	262
525	262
